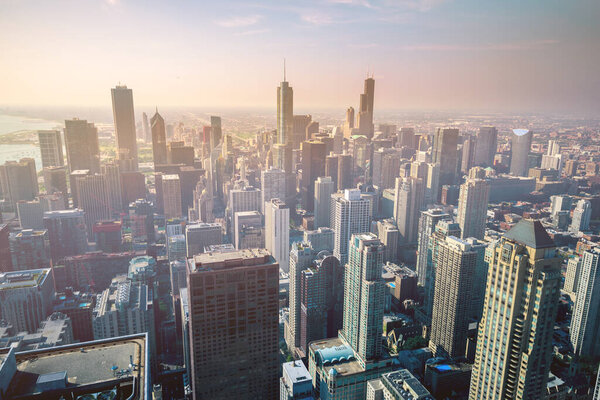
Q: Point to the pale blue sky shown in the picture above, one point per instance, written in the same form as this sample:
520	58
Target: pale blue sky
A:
425	54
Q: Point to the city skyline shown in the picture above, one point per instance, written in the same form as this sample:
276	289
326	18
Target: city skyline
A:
426	55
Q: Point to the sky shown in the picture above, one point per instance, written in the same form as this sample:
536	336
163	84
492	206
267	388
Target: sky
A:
471	55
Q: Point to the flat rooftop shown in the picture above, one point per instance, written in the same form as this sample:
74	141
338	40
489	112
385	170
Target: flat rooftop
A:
346	367
231	259
21	279
98	363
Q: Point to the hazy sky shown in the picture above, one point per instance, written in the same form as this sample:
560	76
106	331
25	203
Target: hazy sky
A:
503	55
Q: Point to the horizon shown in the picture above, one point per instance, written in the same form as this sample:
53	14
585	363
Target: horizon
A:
425	55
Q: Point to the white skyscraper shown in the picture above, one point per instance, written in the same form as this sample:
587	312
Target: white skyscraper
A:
272	185
410	193
277	232
581	216
350	213
472	207
427	223
324	188
585	322
171	191
520	146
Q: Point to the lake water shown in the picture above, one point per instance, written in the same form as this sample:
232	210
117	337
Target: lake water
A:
14	124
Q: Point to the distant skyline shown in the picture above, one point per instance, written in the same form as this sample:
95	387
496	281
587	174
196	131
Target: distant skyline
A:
424	54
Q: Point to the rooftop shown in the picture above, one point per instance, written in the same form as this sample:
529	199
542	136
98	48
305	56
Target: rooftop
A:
20	279
231	259
530	233
296	371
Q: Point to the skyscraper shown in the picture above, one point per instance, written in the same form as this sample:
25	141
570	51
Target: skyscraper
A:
313	166
455	271
345	172
364	292
67	233
124	119
18	181
585	321
234	351
365	114
301	256
324	188
171	196
159	140
92	198
277	232
388	234
248	232
215	131
81	141
285	111
410	193
445	153
350	214
146	128
520	144
472	207
29	249
485	146
198	236
272	185
112	173
581	216
514	342
51	149
427	223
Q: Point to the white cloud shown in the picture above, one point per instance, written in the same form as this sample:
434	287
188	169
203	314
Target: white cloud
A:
239	21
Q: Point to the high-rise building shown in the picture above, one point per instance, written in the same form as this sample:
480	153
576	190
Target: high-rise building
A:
468	154
386	167
349	122
397	385
108	236
445	153
29	249
295	384
320	239
345	172
215	131
26	298
51	149
285	112
455	271
234	350
146	128
331	168
272	185
159	139
485	146
427	223
5	257
324	188
364	292
55	181
79	307
350	214
472	208
18	181
301	256
67	233
113	187
409	198
248	230
92	198
389	235
406	137
313	166
514	342
581	216
124	118
300	124
277	232
571	168
31	214
244	198
520	144
81	142
365	113
171	196
198	236
572	275
321	301
585	321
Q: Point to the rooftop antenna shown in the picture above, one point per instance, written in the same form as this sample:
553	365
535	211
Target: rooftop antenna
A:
284	69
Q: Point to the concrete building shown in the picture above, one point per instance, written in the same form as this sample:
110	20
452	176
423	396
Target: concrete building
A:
520	145
324	188
408	201
277	232
79	307
93	199
295	384
272	186
51	148
581	216
124	119
113	187
18	181
301	256
81	142
572	275
389	235
26	298
159	139
54	331
514	344
445	153
472	208
246	226
31	214
29	249
427	223
320	239
67	233
198	236
485	146
313	166
171	196
350	214
234	352
585	321
455	286
244	198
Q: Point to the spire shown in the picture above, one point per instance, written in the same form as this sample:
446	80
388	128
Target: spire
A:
284	69
157	109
